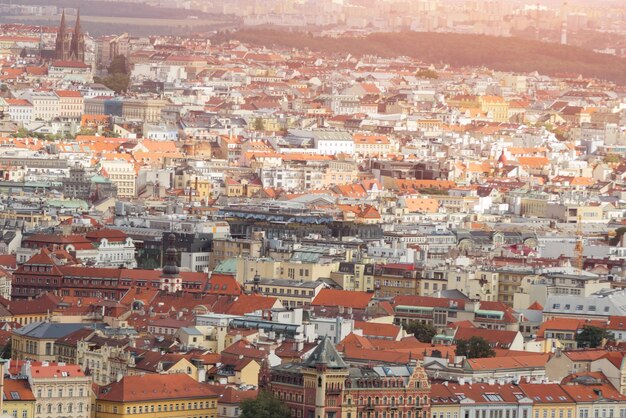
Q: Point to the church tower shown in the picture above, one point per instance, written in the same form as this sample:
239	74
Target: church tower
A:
62	45
77	46
171	281
70	46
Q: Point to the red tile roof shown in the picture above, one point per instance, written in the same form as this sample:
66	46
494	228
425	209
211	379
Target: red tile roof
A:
372	329
153	387
56	370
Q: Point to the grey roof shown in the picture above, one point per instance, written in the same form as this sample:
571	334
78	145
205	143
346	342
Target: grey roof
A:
48	330
325	353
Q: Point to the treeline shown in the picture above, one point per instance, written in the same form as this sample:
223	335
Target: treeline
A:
504	54
119	9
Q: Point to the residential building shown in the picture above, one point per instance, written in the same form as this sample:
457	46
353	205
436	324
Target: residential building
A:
172	395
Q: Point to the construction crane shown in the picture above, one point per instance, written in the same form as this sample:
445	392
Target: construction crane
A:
579	244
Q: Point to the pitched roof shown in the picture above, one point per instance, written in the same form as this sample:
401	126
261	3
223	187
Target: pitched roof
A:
376	330
47	330
493	336
57	370
508	362
153	387
325	353
17	390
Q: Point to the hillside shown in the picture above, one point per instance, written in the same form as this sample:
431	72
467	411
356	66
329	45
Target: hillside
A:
504	54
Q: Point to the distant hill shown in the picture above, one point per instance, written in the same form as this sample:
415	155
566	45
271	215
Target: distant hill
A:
503	54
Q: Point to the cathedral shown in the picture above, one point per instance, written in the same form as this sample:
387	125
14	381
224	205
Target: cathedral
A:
70	45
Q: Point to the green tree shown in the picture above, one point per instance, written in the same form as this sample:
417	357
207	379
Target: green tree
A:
592	337
116	82
425	73
118	65
264	406
612	158
258	124
619	232
21	133
422	332
475	347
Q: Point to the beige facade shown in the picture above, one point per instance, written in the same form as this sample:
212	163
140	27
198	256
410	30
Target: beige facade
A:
291	293
106	363
224	249
122	174
509	282
71	104
148	110
60	390
272	269
574	213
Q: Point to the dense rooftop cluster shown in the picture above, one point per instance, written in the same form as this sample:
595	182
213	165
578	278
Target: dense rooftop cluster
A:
360	237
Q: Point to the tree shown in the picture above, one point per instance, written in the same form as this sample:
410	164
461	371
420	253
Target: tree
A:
615	239
592	337
425	73
118	65
264	406
612	158
475	347
422	332
117	82
258	124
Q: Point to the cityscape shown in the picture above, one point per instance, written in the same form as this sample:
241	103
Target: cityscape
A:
313	209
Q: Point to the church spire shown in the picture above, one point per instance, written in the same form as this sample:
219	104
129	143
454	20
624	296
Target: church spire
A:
77	47
62	24
62	40
77	28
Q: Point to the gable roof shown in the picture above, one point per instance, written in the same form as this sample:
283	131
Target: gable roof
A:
153	387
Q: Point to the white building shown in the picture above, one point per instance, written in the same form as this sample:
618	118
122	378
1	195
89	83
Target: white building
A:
198	262
20	110
122	174
45	104
60	390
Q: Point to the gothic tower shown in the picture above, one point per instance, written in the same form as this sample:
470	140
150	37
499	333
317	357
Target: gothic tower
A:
62	46
70	46
77	46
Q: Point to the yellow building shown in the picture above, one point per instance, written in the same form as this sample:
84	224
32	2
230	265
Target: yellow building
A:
496	107
549	400
291	293
268	268
355	276
18	398
36	341
159	396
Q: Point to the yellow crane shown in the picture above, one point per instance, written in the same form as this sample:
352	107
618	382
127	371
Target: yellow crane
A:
579	244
